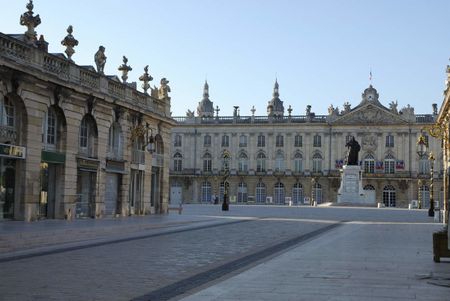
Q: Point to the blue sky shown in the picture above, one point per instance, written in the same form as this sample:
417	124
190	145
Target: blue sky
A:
320	51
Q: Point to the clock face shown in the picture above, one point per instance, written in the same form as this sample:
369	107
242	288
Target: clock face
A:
370	96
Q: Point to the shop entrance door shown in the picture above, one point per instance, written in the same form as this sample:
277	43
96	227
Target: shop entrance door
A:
7	184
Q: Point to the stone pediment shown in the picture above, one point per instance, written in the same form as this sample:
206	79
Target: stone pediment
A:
369	114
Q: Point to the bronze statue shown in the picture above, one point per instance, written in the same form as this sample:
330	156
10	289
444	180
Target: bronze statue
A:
353	150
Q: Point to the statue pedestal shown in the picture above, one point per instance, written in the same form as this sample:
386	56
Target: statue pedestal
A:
351	191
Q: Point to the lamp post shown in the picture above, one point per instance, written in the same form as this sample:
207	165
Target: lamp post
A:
431	210
226	174
313	192
422	146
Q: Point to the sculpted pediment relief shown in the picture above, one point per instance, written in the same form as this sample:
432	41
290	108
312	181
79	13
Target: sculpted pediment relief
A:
370	114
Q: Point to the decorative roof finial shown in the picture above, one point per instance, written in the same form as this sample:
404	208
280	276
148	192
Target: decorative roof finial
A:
206	90
125	69
253	110
290	110
100	59
70	42
31	22
146	78
275	89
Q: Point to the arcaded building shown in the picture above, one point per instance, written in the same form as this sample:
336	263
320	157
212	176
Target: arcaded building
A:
75	142
282	158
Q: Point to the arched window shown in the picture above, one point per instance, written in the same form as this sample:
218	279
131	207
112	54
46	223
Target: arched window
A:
298	162
242	192
424	196
369	164
242	141
297	194
261	162
115	141
317	191
243	162
279	161
7	112
317	163
389	164
389	196
177	142
369	187
50	127
260	192
207	141
206	192
88	137
177	162
279	193
207	162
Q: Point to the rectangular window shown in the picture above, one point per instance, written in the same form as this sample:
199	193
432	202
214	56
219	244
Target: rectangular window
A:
389	141
317	141
207	141
51	128
298	141
225	141
177	142
279	141
243	141
261	141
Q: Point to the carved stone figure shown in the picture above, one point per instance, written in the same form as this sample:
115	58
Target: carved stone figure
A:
100	59
164	90
190	114
393	106
353	150
347	107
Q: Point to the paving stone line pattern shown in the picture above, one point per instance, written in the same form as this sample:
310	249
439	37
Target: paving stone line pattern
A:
129	269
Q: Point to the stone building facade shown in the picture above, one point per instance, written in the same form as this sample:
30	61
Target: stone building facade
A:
75	142
441	130
280	157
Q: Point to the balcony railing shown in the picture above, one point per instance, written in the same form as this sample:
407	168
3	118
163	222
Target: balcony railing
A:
8	133
27	57
138	157
115	153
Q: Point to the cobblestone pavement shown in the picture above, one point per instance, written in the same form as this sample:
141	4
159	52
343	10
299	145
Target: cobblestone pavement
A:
134	268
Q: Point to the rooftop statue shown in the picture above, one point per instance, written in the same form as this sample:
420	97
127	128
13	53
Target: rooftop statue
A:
100	59
164	90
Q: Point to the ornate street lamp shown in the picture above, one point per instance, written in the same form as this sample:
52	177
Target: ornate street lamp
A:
313	192
422	147
431	210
